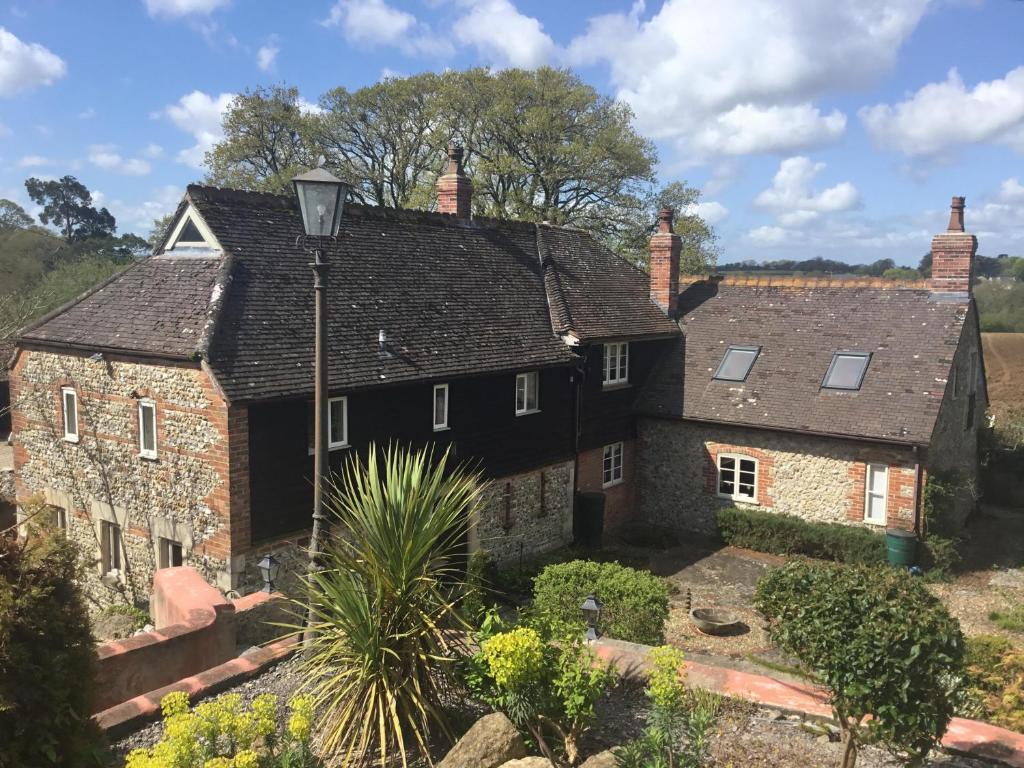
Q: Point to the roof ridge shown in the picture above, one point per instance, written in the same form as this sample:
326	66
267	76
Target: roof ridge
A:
553	292
216	309
793	281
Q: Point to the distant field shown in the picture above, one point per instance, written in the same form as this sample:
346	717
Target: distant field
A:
1004	369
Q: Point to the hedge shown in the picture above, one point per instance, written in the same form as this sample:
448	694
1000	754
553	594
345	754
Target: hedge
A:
780	534
635	603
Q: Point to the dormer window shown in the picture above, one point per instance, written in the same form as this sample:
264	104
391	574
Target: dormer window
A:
191	233
736	364
616	364
846	370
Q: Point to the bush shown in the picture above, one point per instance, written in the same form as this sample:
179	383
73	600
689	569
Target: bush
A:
385	602
879	641
224	734
476	589
995	674
47	660
550	690
635	602
780	534
939	557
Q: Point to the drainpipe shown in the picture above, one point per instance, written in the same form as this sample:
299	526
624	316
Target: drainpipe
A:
919	522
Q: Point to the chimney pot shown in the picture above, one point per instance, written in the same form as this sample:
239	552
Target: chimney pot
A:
956	215
665	217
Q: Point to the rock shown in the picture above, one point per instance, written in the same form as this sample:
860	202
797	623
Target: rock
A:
601	760
491	742
529	762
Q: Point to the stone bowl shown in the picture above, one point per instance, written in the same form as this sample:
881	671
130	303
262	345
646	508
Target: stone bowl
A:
715	621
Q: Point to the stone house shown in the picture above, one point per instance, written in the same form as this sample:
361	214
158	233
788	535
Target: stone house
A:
165	418
833	400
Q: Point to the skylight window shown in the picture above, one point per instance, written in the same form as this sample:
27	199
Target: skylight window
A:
736	364
846	370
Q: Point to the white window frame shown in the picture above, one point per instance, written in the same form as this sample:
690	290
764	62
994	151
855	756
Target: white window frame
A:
439	426
615	368
611	473
111	552
70	436
526	378
311	425
60	518
868	494
736	495
144	452
164	550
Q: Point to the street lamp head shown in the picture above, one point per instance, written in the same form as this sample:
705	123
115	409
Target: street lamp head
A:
321	202
592	613
268	568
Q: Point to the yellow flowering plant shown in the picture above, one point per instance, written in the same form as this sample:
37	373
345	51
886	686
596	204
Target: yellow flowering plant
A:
224	733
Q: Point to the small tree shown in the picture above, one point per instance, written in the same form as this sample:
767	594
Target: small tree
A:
46	655
887	650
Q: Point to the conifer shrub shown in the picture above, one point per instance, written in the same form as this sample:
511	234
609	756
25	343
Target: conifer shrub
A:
47	659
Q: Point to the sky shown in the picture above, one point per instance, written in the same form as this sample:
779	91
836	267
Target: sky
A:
812	127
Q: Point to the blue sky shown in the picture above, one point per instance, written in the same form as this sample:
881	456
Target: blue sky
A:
812	127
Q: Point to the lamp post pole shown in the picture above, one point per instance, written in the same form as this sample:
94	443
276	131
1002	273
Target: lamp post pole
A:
320	272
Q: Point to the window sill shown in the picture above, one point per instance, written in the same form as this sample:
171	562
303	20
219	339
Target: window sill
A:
613	483
341	447
738	499
876	523
149	456
442	429
70	439
614	385
528	413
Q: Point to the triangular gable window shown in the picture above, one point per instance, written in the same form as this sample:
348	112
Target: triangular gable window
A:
190	234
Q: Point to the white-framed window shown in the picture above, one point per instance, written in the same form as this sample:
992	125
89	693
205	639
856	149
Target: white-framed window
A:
337	424
527	393
440	407
876	491
612	467
169	553
616	364
737	477
59	518
110	547
147	428
69	407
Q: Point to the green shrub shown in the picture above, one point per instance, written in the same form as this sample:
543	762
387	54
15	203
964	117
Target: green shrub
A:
939	557
224	734
780	534
635	602
879	641
550	690
477	588
985	651
138	616
47	659
995	681
939	503
382	657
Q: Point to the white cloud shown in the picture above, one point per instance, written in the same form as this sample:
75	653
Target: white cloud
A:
309	107
746	129
266	56
503	36
200	115
107	157
178	8
1001	217
138	216
153	151
767	236
710	210
87	114
791	193
35	161
375	22
697	72
24	66
948	114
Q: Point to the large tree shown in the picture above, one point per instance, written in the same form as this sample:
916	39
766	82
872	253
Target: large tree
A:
67	205
265	142
540	145
13	216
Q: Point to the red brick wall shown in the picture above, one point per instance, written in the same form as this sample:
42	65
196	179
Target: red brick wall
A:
620	499
953	261
765	469
900	498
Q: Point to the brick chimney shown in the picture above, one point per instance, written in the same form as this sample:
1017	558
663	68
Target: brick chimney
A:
454	189
953	255
665	248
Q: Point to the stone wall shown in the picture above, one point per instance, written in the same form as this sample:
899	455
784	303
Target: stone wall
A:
954	445
6	485
526	514
816	478
182	495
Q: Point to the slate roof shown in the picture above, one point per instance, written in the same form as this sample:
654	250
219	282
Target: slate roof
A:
159	306
911	335
453	298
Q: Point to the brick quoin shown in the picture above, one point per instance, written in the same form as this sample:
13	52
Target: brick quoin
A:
620	499
900	496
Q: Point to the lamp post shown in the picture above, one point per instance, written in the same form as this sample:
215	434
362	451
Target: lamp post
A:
592	613
321	202
268	567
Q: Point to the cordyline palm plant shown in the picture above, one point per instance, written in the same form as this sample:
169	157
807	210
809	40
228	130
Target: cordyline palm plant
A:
387	632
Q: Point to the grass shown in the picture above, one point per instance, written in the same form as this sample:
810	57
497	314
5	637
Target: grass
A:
1011	620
